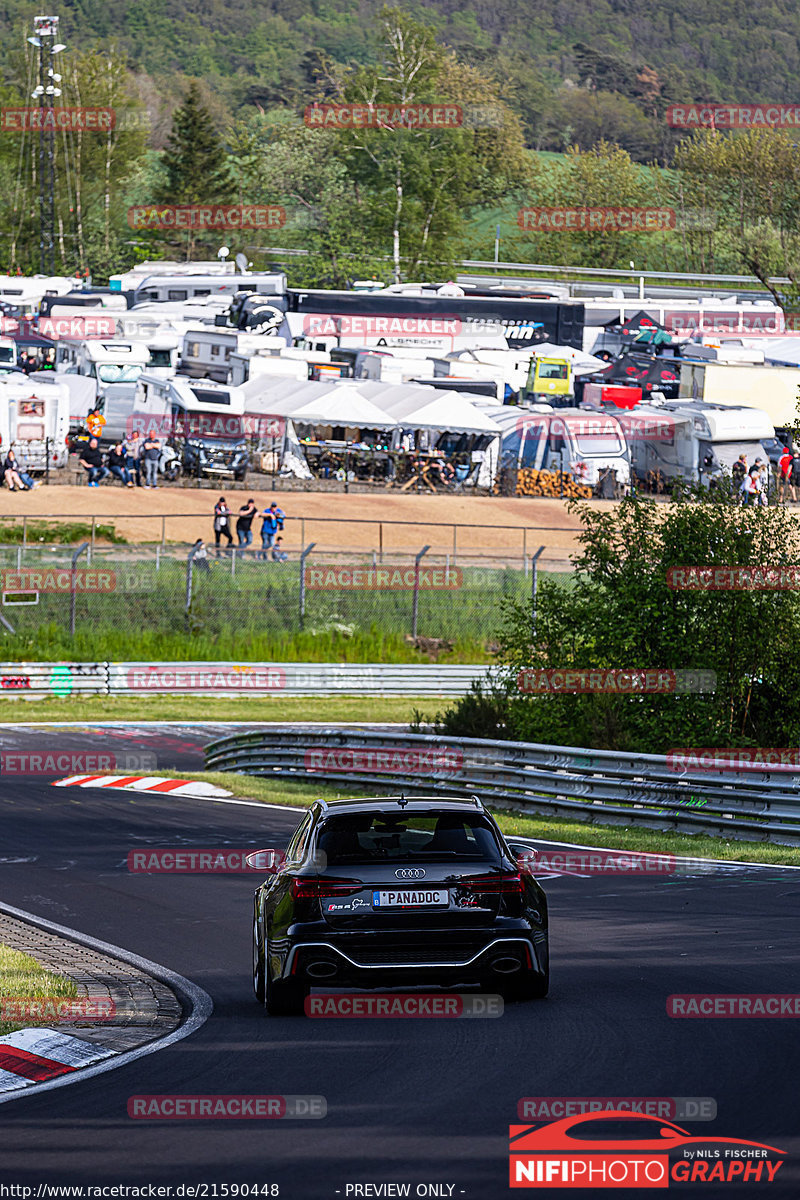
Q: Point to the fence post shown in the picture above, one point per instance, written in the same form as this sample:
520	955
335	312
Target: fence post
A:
73	579
415	612
163	531
303	558
455	543
380	541
534	588
24	534
91	550
189	569
158	558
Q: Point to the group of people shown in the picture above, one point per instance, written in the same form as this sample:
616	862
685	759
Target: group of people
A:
751	482
30	361
127	461
272	520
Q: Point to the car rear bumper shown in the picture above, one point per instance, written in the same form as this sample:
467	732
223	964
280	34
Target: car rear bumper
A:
337	962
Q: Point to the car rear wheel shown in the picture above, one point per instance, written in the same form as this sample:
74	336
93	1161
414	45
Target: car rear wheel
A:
282	998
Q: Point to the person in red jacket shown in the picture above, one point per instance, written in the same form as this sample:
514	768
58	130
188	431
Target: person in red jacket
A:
784	482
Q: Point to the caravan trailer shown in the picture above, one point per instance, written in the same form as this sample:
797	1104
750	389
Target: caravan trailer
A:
34	419
685	439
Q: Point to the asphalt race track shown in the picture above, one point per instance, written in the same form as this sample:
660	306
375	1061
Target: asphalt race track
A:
408	1101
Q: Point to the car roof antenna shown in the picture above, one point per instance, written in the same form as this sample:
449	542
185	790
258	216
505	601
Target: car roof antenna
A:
402	801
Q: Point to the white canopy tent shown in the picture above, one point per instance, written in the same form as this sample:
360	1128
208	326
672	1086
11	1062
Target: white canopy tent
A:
343	406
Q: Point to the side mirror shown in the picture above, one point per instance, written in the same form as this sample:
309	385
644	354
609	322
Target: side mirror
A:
524	854
265	860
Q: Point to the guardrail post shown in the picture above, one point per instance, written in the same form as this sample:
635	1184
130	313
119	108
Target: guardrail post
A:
303	558
534	589
73	579
415	611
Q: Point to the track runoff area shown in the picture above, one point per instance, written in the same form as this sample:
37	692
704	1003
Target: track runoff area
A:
672	990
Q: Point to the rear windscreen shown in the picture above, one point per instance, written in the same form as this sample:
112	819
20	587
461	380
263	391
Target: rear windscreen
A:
384	837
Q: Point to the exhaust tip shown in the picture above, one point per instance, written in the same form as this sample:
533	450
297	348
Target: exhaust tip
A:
322	970
506	966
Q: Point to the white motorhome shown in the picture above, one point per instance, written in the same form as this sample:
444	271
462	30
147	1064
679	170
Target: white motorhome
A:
24	293
8	352
578	441
34	419
104	361
160	288
205	417
691	440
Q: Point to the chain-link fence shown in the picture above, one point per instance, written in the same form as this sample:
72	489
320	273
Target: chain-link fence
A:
113	596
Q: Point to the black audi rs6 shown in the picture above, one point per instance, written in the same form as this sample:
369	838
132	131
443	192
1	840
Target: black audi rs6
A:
398	892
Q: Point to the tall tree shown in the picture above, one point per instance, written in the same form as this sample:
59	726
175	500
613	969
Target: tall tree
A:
195	161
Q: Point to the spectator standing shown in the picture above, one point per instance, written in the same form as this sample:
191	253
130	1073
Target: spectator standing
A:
244	522
95	423
133	461
739	470
272	520
151	452
92	461
222	527
784	473
118	465
794	475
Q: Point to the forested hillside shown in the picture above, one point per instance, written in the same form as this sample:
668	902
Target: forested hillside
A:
575	70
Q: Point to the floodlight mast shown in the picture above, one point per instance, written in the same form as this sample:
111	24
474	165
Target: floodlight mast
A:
46	32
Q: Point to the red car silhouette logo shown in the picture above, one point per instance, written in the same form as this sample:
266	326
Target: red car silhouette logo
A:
617	1148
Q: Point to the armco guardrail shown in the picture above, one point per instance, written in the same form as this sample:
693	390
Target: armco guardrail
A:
587	785
37	680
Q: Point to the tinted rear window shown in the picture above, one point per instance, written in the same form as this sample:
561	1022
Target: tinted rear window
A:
385	837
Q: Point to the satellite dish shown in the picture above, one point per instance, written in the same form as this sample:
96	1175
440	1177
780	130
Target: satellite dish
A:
241	263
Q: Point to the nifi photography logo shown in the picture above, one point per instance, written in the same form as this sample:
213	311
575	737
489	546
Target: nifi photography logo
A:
627	1150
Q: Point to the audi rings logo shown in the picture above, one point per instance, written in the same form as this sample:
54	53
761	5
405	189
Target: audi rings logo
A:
410	873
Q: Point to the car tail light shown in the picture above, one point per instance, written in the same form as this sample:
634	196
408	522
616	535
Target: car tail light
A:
315	889
500	885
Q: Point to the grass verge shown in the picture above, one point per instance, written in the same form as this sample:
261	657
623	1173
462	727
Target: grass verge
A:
203	708
302	793
21	976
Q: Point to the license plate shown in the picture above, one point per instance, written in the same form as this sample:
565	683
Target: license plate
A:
412	898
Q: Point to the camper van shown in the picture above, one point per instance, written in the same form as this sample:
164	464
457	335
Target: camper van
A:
8	352
105	362
691	440
34	419
202	417
583	443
